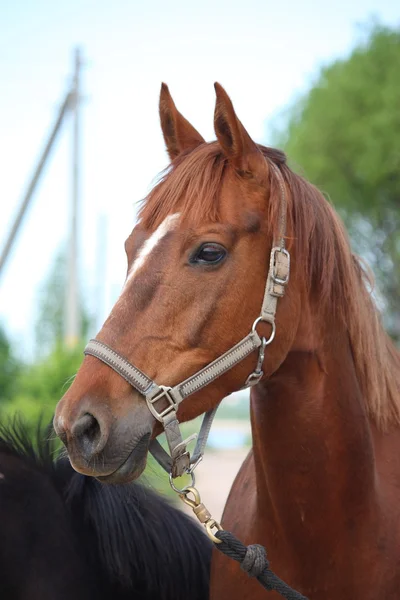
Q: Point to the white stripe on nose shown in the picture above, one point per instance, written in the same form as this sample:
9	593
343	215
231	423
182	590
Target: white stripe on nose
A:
167	225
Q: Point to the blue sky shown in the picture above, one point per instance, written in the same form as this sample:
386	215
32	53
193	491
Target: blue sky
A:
263	52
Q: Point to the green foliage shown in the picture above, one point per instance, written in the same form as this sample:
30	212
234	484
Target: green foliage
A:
344	133
39	386
9	368
50	321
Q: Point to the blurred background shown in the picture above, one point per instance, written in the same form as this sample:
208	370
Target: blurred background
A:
80	145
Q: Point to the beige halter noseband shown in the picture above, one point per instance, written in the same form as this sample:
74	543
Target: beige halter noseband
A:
180	461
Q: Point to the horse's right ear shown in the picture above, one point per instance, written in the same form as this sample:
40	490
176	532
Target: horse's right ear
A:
179	134
233	138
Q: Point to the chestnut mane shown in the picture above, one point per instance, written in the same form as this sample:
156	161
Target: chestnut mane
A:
333	275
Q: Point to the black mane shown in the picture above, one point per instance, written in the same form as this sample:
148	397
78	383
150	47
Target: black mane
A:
135	543
36	448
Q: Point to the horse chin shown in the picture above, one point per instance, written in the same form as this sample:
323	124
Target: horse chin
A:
132	467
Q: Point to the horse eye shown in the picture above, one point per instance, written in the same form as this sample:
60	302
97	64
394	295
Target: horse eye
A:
209	254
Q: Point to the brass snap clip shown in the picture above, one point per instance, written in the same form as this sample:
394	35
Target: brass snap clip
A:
201	512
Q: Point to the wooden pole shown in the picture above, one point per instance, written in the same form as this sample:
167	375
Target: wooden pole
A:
34	181
73	316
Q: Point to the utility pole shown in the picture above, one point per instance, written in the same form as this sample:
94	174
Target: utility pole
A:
34	181
101	268
73	316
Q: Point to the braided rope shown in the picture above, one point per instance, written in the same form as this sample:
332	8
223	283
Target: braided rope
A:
253	560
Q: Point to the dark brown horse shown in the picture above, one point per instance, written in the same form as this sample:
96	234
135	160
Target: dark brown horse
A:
321	486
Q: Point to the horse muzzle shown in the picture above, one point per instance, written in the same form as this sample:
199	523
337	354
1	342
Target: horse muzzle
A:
100	445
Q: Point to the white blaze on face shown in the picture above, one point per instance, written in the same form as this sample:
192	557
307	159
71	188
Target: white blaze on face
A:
167	225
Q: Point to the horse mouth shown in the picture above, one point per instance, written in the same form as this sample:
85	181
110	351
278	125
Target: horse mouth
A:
132	467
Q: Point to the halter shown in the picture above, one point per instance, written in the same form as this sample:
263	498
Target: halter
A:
179	461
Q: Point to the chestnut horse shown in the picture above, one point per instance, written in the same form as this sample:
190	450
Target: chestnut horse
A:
320	488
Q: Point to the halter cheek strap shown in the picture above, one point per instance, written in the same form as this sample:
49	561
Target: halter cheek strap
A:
179	460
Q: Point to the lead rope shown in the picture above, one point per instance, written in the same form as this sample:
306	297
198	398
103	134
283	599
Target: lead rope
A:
253	559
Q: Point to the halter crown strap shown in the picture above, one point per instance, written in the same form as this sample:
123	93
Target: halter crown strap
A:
279	264
170	397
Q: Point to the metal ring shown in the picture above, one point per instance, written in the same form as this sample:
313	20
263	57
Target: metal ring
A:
261	319
185	489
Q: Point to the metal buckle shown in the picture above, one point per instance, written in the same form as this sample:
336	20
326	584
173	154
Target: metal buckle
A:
180	451
181	457
275	278
163	393
186	442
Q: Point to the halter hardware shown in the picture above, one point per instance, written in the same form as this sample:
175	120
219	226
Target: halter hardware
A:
163	392
200	510
264	320
256	376
277	267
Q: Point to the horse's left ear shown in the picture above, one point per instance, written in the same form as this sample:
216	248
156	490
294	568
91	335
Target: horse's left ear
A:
234	140
179	134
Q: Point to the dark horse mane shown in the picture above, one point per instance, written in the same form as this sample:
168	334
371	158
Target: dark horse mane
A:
138	540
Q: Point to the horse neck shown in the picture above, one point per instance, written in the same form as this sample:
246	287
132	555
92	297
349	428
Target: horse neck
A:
312	441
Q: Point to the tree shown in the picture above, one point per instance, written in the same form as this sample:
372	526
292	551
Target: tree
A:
35	389
9	368
39	386
50	321
344	134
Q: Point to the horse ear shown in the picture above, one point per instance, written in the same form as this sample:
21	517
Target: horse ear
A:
234	140
179	134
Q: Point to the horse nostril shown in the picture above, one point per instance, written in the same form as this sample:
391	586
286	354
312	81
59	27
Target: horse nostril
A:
87	426
88	434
